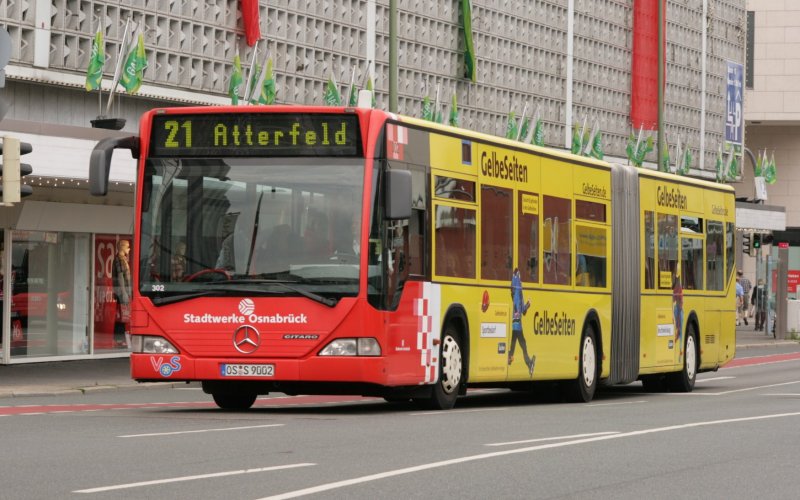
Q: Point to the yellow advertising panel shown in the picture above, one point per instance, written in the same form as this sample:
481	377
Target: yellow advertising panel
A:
557	177
530	204
452	153
593	182
506	167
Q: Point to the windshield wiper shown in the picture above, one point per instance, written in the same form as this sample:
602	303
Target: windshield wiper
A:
171	299
328	301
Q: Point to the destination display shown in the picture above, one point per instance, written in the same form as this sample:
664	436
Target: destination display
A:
255	134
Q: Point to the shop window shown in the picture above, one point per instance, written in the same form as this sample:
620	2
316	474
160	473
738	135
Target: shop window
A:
49	311
111	316
496	233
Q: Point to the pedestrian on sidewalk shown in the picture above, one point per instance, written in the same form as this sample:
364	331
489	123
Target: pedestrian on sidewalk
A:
759	302
739	301
746	286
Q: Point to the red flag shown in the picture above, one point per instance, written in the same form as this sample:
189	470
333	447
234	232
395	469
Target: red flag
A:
252	23
644	64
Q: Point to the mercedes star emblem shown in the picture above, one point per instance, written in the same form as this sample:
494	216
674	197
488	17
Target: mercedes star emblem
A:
246	339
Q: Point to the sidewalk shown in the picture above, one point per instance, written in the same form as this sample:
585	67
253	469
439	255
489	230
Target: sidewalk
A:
84	376
70	377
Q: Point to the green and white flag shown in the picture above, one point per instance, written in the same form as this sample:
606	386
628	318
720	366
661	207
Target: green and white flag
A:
771	170
597	146
427	109
452	118
579	138
264	90
636	149
236	80
686	165
663	165
332	96
133	71
511	126
732	164
469	46
94	74
761	163
369	87
719	166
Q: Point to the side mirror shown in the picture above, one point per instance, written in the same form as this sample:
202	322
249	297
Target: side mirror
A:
398	195
100	161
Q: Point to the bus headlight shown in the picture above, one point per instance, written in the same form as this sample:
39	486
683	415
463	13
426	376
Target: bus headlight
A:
352	347
150	344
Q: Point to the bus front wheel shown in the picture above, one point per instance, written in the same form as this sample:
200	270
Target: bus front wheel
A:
683	381
582	389
451	372
234	400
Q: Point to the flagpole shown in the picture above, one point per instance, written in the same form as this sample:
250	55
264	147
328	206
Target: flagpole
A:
250	74
522	120
661	75
122	49
261	77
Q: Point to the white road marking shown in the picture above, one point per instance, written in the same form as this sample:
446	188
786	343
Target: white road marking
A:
732	391
553	438
711	379
483	456
783	394
455	411
615	404
198	431
190	478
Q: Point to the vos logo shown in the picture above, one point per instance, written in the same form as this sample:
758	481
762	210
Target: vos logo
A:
166	369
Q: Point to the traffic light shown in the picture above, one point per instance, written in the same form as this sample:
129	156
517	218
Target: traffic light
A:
747	243
756	242
13	171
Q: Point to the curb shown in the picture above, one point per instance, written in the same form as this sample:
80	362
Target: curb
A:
85	390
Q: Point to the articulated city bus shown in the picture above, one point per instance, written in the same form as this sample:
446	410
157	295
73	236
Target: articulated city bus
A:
311	250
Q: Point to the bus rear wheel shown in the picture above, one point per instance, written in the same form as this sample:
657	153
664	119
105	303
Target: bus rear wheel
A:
683	381
582	389
451	372
234	400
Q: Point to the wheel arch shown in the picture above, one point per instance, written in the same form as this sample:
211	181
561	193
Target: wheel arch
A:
456	315
593	318
693	320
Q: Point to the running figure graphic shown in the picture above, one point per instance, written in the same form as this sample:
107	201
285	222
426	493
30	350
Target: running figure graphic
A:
520	308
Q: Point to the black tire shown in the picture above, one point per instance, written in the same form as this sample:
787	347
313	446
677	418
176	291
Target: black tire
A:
582	389
683	381
451	373
234	400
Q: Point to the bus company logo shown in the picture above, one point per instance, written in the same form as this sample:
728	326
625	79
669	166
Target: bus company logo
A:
594	190
671	198
557	324
246	339
718	210
166	369
247	307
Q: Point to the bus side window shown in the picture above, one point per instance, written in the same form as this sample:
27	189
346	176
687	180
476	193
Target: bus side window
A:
649	251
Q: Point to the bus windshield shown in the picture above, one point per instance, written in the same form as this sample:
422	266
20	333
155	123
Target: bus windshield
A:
225	226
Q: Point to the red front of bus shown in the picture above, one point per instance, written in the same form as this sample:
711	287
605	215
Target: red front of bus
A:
264	259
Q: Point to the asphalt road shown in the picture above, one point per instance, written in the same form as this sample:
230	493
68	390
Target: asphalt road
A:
735	436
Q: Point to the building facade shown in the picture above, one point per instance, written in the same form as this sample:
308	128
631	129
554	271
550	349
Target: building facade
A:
569	61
